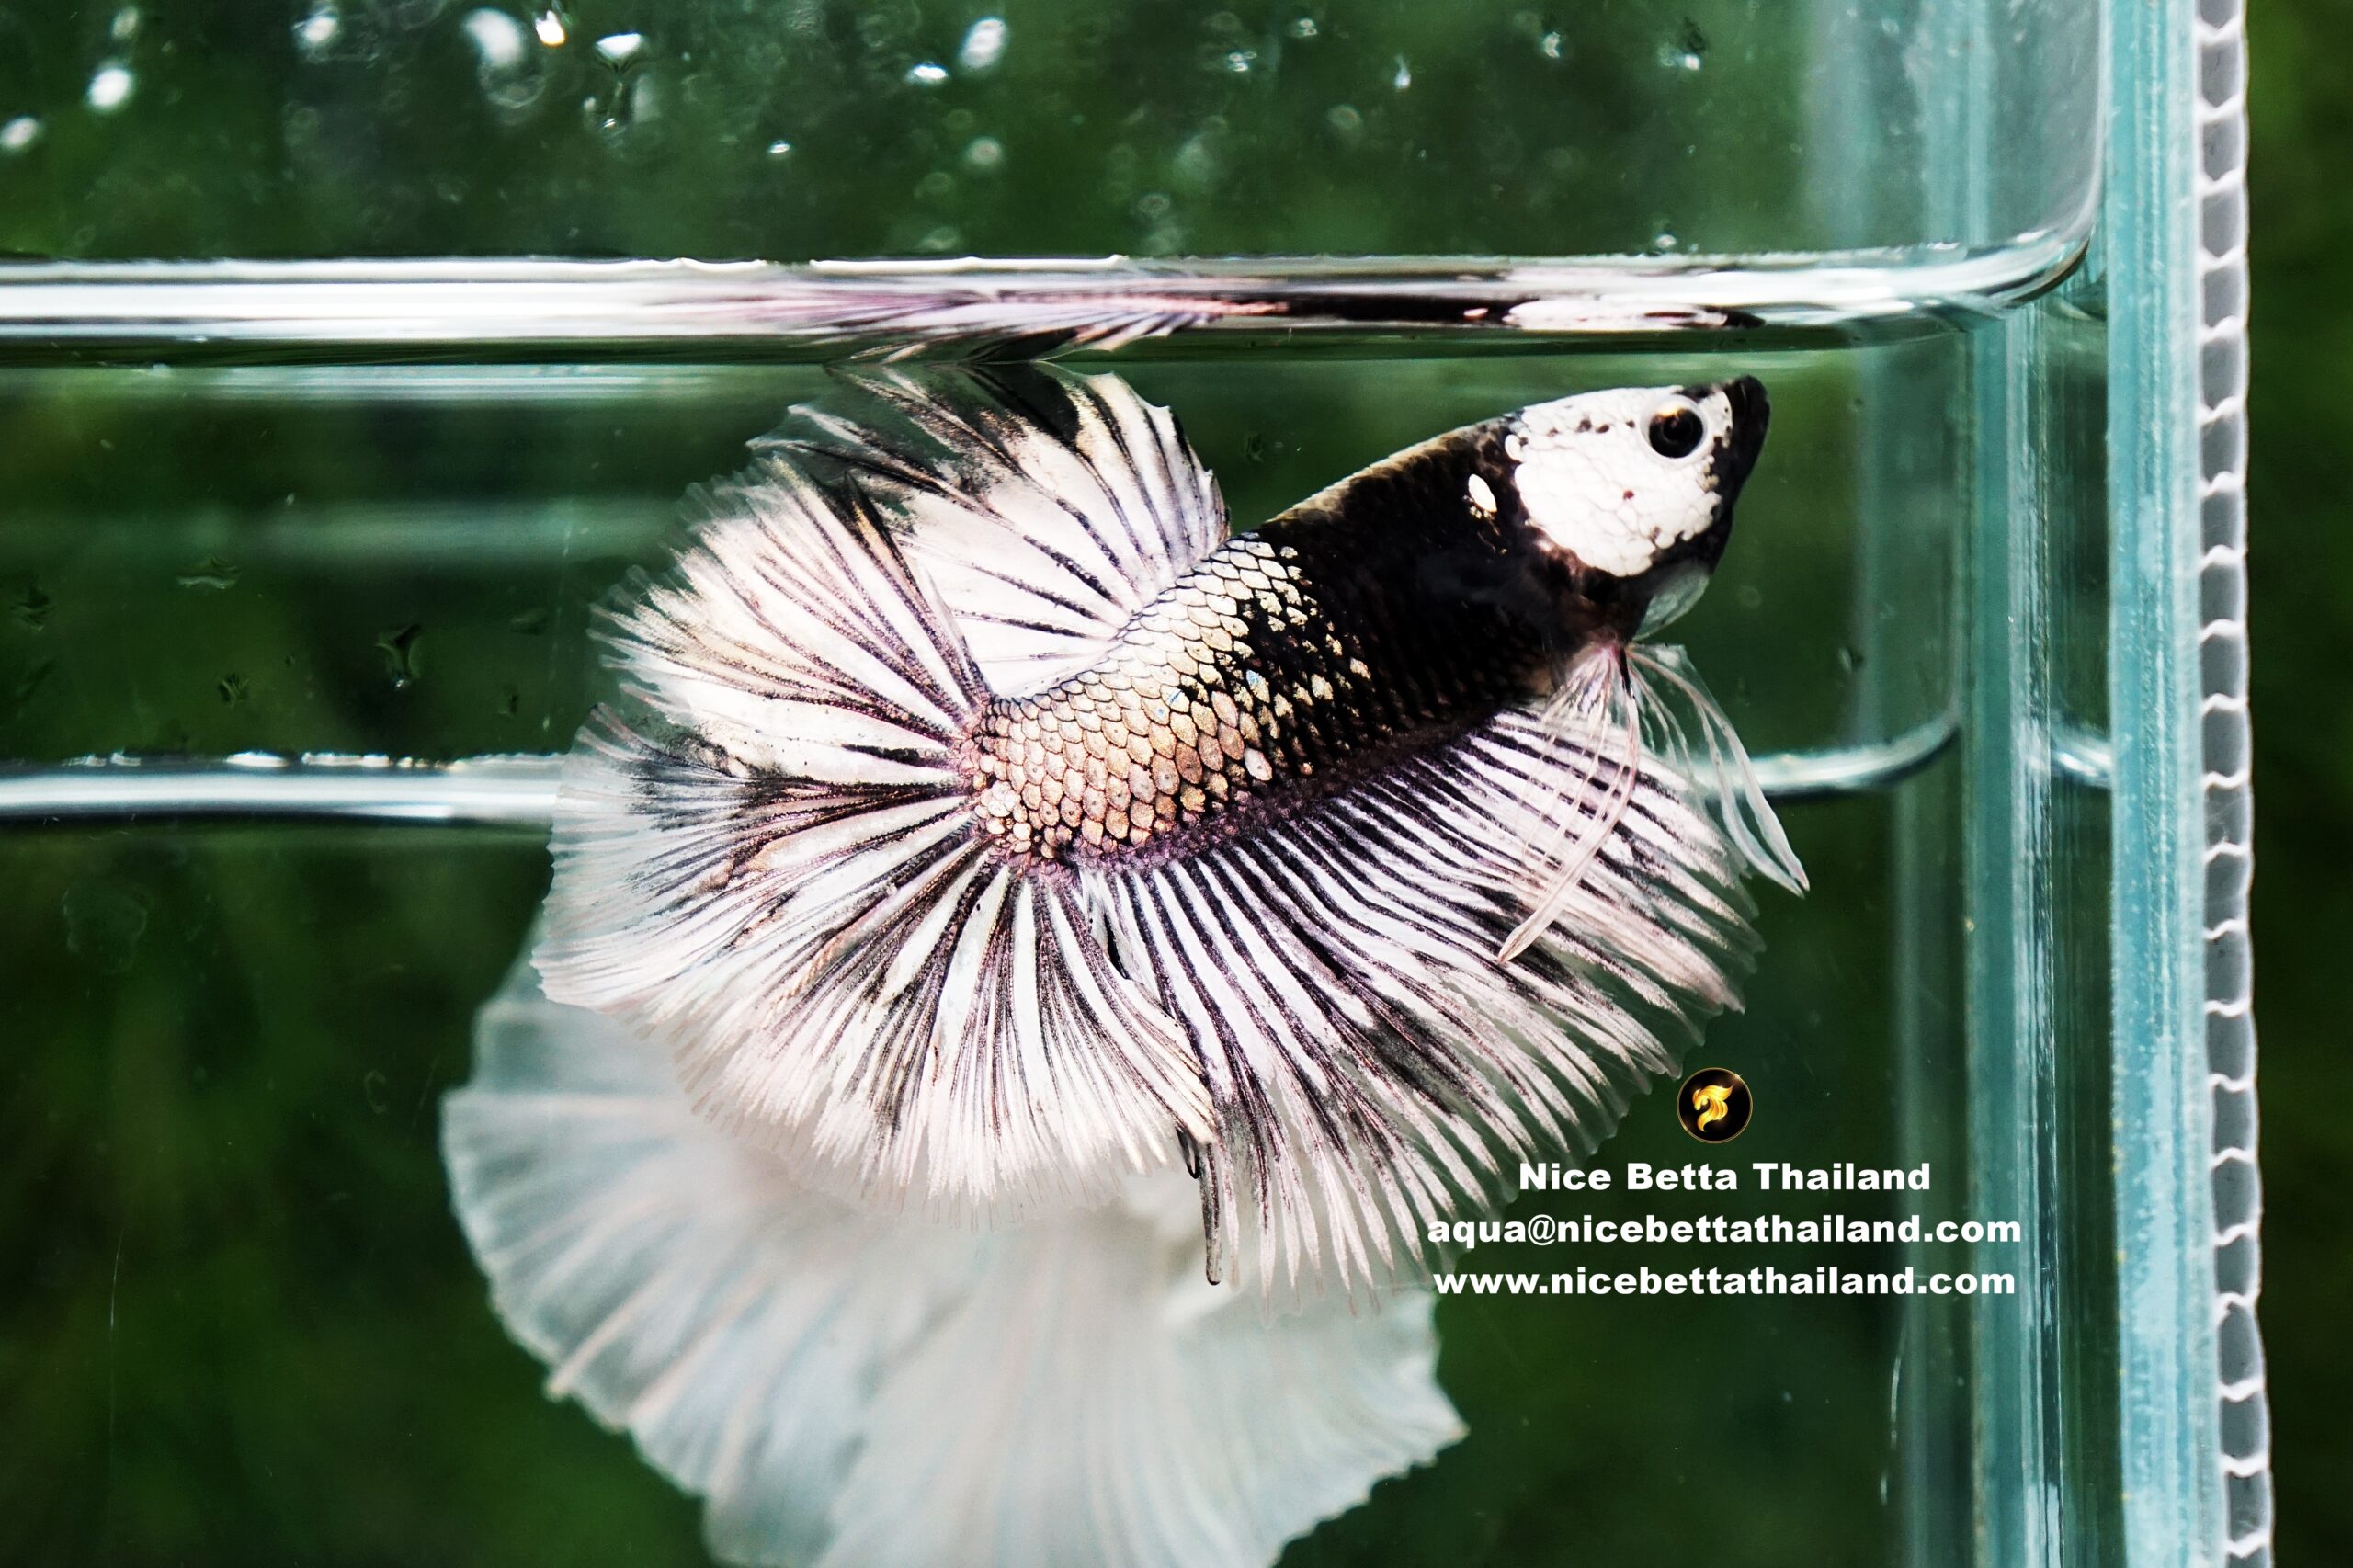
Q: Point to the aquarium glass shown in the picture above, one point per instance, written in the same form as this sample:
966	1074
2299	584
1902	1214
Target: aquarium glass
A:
354	352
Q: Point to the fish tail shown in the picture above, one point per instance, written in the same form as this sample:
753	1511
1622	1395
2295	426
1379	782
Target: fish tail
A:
767	855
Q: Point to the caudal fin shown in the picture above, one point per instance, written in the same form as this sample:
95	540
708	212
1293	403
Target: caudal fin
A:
765	855
846	1390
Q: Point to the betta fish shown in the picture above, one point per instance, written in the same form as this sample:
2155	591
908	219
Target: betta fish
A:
979	820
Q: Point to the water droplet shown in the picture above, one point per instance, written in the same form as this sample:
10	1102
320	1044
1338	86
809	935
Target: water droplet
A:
498	38
550	28
210	573
928	75
619	49
636	104
1196	165
31	608
399	647
1686	50
103	924
984	44
984	154
509	74
232	689
779	149
111	88
1404	76
315	34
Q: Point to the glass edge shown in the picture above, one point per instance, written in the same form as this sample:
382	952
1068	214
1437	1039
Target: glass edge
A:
2196	1458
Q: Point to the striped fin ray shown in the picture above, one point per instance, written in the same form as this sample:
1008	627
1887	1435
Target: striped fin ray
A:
846	1389
1375	1068
1046	507
779	876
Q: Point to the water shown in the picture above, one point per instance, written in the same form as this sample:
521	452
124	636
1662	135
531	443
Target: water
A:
292	628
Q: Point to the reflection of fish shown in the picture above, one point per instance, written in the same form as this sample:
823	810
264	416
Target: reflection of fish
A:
982	820
1713	1102
854	1391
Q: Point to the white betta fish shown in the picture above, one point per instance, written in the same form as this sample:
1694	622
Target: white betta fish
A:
982	821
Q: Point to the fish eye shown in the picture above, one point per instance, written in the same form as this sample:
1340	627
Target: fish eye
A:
1676	430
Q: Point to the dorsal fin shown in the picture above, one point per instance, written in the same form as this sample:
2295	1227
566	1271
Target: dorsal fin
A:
1045	507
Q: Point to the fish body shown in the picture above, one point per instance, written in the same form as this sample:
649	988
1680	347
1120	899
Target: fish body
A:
1393	613
979	821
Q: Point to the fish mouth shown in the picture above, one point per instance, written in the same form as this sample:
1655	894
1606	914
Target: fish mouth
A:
1736	452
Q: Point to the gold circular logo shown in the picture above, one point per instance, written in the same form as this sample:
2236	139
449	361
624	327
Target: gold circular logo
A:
1714	1104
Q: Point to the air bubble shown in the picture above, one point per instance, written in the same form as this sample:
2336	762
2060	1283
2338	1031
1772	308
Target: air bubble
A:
619	49
928	75
125	26
111	88
510	75
946	237
1664	241
1196	165
1684	52
550	29
1346	123
498	38
20	133
984	44
1301	28
399	648
315	34
1404	76
210	573
984	154
779	149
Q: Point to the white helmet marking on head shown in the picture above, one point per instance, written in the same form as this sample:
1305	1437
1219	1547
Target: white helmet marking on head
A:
1591	482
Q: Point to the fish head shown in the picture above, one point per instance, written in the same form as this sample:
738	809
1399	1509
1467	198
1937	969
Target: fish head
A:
1624	498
